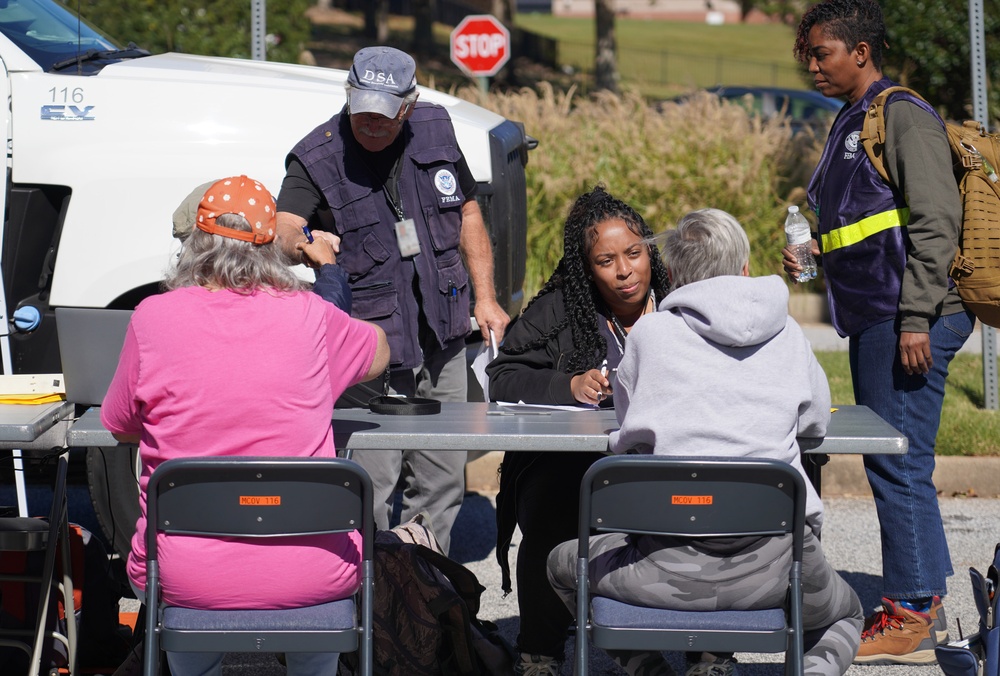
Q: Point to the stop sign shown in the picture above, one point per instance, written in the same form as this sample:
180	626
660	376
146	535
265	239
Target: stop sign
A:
480	45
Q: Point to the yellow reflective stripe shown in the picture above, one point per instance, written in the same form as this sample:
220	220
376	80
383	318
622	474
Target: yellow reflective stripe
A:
866	227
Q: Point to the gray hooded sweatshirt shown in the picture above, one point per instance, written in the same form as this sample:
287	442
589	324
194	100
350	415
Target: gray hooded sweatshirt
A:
722	370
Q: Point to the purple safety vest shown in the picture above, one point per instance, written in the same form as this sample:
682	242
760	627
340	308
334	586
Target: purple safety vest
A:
862	224
384	285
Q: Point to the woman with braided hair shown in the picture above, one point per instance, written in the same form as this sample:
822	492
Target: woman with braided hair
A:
563	349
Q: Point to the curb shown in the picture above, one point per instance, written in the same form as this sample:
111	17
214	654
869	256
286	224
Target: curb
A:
482	475
843	476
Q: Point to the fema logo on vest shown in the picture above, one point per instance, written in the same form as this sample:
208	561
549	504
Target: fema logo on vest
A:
851	143
446	184
379	78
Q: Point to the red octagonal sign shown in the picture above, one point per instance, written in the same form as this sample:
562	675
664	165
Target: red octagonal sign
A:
480	45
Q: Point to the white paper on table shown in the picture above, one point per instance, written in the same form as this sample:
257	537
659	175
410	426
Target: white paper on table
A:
548	407
486	354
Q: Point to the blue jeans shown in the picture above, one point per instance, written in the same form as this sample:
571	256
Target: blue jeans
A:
915	558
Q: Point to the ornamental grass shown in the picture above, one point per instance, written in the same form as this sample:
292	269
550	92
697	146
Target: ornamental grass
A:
664	160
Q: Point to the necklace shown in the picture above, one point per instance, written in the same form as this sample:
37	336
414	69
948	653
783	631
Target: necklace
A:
618	330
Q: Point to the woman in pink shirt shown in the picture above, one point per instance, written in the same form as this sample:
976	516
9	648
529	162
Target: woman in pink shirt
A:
238	358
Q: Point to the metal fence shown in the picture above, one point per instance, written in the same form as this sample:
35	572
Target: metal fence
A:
644	67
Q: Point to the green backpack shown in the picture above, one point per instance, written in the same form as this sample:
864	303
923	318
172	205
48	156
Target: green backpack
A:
976	156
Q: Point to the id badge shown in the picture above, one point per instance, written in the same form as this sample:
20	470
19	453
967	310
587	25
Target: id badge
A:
406	238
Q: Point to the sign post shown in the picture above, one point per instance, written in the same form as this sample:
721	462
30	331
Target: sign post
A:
480	46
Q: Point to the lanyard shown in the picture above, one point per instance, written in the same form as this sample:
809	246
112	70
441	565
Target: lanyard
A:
390	186
616	326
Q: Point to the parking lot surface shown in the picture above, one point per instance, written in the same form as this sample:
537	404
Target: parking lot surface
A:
850	539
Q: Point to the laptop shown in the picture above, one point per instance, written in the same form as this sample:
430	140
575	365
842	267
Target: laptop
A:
90	341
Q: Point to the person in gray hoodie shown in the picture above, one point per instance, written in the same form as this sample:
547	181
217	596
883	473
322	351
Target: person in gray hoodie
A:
740	380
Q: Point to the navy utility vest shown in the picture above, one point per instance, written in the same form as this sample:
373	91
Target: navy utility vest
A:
430	289
862	224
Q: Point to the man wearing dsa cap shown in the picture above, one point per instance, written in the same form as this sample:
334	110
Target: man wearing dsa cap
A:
390	174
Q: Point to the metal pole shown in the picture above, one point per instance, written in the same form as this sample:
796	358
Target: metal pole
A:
980	110
258	30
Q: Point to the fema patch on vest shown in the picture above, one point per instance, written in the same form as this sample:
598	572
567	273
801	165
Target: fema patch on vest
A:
446	185
851	145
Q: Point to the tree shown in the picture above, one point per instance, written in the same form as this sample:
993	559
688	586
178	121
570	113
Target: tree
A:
784	10
423	27
377	21
929	50
504	10
606	60
219	28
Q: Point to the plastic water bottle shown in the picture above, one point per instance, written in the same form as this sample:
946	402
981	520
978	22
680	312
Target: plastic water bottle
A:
798	236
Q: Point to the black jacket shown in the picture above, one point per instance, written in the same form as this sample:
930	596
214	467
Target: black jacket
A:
535	377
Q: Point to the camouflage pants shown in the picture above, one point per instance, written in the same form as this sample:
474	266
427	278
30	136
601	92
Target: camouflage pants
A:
661	572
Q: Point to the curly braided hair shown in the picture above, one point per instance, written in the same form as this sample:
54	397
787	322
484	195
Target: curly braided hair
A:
572	276
850	21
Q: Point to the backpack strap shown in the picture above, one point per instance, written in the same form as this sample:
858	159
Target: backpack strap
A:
873	128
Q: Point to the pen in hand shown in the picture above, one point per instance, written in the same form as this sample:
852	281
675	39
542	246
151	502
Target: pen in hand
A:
308	233
604	374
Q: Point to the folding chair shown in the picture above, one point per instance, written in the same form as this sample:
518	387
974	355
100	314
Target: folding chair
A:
690	498
258	497
23	534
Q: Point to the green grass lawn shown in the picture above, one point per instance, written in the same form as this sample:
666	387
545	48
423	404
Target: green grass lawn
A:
966	428
685	54
761	42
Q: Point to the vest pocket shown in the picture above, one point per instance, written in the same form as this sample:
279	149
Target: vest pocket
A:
356	221
353	206
378	303
360	260
453	284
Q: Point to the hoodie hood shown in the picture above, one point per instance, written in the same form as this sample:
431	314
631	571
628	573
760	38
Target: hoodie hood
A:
732	311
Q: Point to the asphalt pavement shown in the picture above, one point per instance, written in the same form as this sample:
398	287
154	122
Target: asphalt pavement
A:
850	538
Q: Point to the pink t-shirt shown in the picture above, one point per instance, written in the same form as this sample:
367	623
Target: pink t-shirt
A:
222	374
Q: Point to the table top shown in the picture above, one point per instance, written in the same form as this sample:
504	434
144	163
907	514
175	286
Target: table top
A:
476	426
24	423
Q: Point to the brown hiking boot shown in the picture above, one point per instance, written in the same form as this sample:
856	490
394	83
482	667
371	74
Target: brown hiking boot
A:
898	635
940	621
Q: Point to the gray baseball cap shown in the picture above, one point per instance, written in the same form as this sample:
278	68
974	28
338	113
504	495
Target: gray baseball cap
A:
187	212
380	78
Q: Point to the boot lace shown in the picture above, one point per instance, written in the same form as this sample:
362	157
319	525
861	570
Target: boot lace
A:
880	622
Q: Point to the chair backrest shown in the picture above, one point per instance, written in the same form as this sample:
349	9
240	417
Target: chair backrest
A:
258	497
691	497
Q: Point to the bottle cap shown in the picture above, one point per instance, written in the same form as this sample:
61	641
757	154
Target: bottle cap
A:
793	209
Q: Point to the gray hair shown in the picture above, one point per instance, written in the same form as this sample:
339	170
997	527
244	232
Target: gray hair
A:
706	243
223	262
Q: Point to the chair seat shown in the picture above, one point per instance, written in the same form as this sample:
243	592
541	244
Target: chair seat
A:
332	616
609	612
23	534
287	630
